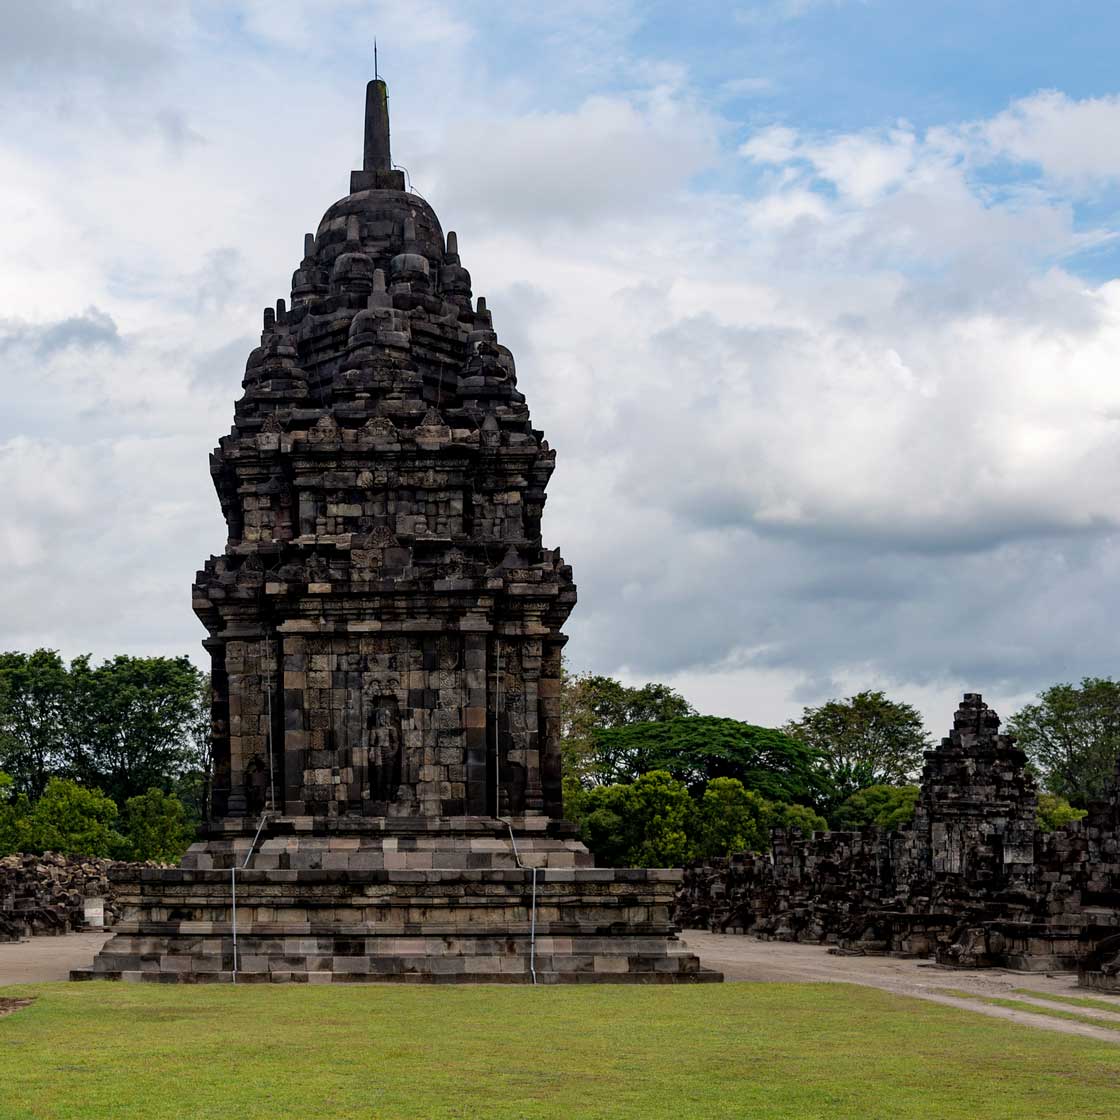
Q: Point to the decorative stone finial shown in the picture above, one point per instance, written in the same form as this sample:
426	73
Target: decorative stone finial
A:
377	164
377	156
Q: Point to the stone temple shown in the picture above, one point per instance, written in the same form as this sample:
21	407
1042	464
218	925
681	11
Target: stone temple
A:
385	633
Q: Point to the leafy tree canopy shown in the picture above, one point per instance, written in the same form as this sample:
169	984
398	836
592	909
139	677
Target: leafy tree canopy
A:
696	749
122	726
590	703
156	827
1072	737
72	820
35	711
133	723
865	740
641	824
885	806
9	816
1056	812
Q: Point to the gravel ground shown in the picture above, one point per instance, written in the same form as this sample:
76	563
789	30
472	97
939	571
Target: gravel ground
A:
48	958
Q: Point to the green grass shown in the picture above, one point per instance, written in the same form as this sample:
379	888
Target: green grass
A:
1077	1001
763	1051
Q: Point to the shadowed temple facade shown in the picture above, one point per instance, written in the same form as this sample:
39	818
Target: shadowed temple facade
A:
385	633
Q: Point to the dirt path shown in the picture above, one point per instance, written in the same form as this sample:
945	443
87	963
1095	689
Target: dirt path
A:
48	958
740	957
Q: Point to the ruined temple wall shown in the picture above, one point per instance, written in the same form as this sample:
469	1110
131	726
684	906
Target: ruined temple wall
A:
877	891
817	888
971	880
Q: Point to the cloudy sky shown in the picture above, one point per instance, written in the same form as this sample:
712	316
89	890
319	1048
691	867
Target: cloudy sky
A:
816	299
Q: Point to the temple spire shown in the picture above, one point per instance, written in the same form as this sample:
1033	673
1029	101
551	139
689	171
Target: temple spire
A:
377	172
377	156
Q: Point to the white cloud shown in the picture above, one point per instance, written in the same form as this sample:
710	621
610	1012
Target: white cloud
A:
766	12
1066	138
852	424
611	155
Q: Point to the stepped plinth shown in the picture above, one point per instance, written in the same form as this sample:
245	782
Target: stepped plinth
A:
454	901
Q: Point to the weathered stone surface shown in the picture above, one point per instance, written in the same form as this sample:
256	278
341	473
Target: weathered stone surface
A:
46	894
385	633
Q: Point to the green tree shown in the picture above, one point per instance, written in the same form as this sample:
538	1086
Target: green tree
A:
781	815
1072	737
865	740
73	820
133	723
697	749
192	786
34	718
12	810
885	806
655	822
156	827
590	703
730	818
1056	812
645	823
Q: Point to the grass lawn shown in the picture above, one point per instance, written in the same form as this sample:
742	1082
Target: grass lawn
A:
734	1050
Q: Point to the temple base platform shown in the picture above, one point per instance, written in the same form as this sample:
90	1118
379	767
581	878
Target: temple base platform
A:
448	900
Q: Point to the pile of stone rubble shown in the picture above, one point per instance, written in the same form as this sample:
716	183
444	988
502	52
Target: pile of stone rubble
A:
46	894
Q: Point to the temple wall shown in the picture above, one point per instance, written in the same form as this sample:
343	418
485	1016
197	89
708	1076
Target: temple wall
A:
377	724
971	881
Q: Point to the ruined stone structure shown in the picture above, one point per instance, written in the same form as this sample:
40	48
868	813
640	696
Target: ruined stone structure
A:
971	881
385	631
44	895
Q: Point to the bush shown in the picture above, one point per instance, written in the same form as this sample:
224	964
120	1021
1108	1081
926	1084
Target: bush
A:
1055	812
74	821
156	827
643	824
885	806
730	818
655	822
793	816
